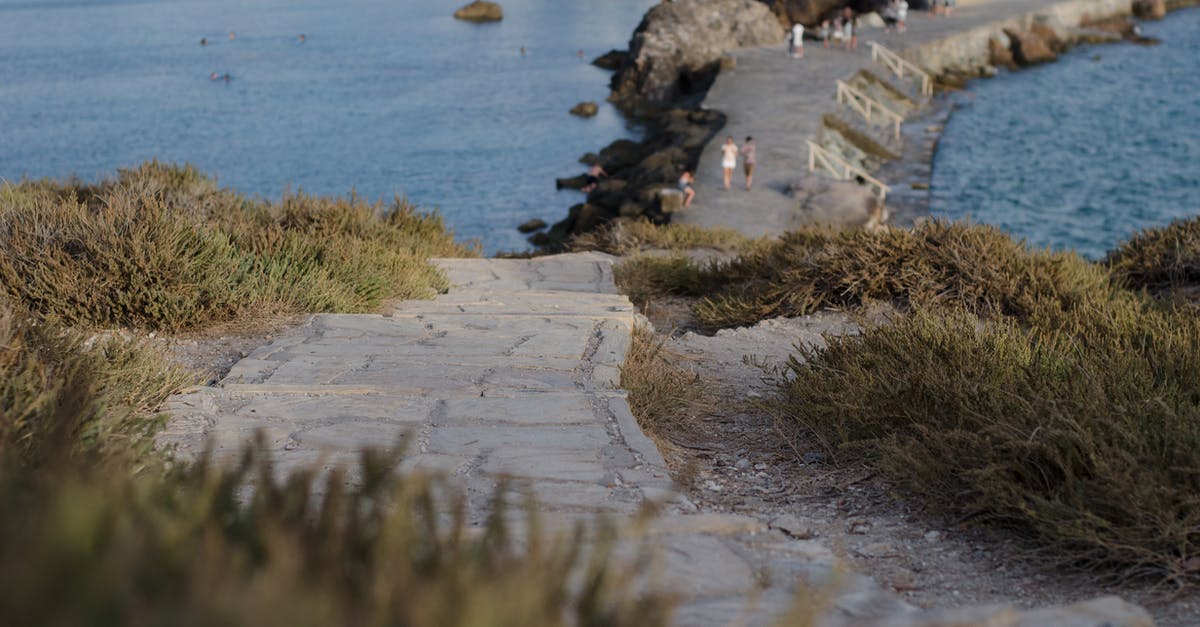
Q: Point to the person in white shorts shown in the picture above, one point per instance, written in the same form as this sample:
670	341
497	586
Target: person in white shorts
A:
797	41
729	152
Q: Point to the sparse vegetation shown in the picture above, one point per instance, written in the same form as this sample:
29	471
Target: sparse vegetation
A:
160	248
661	392
626	237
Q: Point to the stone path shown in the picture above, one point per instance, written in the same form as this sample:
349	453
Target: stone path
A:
780	102
513	375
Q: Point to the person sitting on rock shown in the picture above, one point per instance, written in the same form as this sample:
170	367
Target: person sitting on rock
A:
592	178
685	185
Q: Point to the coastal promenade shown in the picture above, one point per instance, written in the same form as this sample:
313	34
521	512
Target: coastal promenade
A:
780	102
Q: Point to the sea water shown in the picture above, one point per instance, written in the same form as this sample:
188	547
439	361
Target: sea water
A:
382	97
1082	153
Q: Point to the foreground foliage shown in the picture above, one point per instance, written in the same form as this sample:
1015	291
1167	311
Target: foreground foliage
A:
97	530
161	248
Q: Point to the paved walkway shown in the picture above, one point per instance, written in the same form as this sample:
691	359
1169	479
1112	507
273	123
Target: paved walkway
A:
512	374
780	101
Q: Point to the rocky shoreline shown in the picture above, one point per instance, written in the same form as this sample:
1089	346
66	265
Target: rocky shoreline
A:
667	96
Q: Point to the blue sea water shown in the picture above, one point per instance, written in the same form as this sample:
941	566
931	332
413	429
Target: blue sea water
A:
1082	153
383	97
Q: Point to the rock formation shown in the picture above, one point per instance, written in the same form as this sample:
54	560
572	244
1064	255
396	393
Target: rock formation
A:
611	60
1150	9
585	109
1028	48
480	11
676	50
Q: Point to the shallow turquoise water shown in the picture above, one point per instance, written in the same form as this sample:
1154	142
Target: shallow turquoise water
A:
1082	153
384	97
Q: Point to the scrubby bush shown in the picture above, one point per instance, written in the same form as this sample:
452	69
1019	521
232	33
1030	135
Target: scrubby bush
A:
936	264
624	237
160	247
1089	441
1160	259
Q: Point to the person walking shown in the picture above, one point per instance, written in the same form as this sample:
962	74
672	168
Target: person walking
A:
849	32
797	41
729	152
823	33
748	161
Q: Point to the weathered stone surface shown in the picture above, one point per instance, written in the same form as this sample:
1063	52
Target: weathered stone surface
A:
1149	9
1000	55
676	49
480	11
585	109
1028	48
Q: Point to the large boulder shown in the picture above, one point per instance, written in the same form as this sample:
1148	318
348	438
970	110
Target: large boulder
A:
1028	48
1150	9
480	11
585	109
676	50
807	12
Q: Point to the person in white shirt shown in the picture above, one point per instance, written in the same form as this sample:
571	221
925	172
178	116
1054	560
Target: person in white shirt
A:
797	41
729	152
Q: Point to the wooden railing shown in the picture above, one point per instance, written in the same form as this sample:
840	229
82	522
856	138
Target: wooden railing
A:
868	107
839	167
901	66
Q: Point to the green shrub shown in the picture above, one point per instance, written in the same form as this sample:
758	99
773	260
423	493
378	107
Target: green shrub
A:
1086	441
160	247
1160	259
645	276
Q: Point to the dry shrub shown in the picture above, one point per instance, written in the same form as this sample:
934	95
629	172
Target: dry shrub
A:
107	385
624	237
936	264
661	393
643	277
1160	259
1086	441
160	248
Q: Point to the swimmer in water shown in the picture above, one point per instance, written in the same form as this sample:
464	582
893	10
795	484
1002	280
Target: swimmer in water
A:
579	53
214	76
232	35
204	41
523	51
302	38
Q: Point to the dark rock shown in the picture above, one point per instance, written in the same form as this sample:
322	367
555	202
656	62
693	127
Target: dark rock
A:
675	51
807	12
585	109
1149	9
589	158
1000	55
480	11
540	239
630	209
622	154
530	226
573	182
1028	48
611	60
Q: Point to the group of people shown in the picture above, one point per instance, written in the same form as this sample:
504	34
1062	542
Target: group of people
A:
843	28
895	16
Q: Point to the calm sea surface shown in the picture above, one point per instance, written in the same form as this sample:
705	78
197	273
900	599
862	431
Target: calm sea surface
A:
1084	152
384	97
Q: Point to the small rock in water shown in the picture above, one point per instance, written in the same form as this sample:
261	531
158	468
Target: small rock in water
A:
585	109
480	11
530	226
